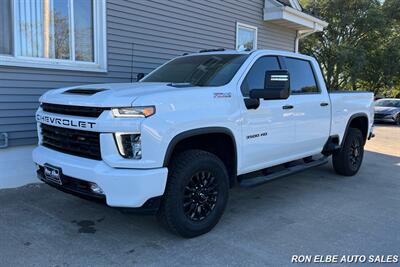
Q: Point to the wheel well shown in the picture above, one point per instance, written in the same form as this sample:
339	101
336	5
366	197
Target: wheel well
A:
220	144
361	123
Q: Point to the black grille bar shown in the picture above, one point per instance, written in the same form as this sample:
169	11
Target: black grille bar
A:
73	186
73	110
75	142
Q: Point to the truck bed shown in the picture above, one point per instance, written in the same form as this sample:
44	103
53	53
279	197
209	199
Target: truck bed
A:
345	104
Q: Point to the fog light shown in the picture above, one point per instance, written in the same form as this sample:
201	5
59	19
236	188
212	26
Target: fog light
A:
129	145
96	189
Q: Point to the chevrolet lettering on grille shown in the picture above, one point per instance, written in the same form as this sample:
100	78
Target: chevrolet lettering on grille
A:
65	122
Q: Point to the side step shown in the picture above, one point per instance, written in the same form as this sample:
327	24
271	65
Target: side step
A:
258	180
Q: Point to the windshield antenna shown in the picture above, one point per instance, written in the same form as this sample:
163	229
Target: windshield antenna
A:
133	48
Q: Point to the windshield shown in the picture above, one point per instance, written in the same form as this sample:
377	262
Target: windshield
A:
199	70
388	103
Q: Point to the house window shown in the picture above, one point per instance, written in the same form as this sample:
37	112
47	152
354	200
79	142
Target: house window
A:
246	36
64	34
5	28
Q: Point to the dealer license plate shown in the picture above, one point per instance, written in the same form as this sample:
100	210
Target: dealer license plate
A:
52	174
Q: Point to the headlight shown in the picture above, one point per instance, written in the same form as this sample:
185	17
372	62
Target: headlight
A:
134	112
129	145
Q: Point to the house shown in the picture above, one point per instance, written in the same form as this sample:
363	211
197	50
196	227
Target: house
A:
47	44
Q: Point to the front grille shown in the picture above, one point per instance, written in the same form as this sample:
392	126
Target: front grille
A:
73	110
75	142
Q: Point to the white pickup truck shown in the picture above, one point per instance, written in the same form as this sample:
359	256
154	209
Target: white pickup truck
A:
177	140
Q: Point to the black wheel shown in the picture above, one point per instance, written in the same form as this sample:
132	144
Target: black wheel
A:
196	193
347	161
397	121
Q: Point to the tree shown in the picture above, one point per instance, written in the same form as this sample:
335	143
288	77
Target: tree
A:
391	9
359	48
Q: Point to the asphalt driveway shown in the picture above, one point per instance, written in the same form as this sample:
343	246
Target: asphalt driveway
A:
315	212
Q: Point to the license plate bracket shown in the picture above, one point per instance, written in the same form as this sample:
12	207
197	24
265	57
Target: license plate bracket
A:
52	174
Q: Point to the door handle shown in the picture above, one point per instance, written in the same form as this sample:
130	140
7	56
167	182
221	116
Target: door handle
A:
287	107
324	104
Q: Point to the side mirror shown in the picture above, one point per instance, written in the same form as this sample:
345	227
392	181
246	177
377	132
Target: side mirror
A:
276	86
139	76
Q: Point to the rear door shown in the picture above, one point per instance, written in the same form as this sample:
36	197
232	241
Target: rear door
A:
311	107
268	132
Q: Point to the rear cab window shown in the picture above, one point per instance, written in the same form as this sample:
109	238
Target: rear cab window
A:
302	76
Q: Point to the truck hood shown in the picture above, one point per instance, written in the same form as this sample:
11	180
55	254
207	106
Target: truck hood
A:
103	95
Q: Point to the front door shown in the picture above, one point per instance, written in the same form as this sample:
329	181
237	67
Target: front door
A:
268	132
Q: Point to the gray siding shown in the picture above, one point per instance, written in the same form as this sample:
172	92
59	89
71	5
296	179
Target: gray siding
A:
160	30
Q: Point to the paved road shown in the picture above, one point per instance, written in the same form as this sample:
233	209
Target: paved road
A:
316	212
387	141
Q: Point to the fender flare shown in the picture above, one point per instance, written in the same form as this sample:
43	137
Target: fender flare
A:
199	131
352	117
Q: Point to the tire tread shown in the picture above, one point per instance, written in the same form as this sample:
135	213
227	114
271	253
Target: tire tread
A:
178	164
339	159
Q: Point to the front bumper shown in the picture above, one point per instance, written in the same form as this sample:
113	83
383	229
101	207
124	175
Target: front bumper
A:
384	118
127	188
391	120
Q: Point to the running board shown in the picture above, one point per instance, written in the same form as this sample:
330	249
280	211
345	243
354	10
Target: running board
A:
258	180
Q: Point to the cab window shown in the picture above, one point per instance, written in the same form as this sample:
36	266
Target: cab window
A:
302	78
255	78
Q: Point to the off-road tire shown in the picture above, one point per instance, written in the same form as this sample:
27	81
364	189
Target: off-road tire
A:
182	170
347	161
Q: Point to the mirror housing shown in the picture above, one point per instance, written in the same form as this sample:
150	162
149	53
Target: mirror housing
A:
276	86
139	76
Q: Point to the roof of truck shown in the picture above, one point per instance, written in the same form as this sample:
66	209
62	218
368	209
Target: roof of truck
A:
257	51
